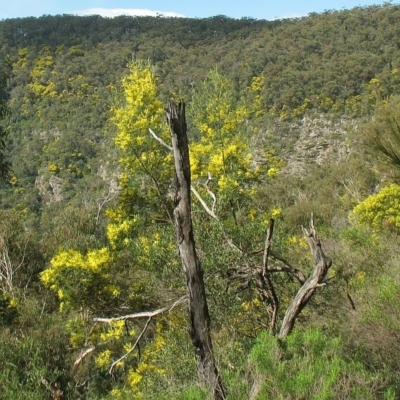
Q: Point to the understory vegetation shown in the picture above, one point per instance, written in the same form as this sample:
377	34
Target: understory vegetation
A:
293	130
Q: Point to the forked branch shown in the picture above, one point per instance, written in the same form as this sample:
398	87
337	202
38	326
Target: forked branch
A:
322	263
260	276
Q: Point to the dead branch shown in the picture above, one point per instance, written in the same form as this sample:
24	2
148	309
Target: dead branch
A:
212	195
203	203
81	358
7	268
159	140
316	279
102	201
145	314
288	269
249	273
209	211
133	347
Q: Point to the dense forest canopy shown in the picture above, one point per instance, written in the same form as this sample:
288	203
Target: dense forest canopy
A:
285	119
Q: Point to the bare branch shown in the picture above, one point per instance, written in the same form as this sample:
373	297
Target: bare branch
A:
209	211
203	203
133	347
287	267
212	195
79	360
7	268
102	201
145	314
159	140
267	246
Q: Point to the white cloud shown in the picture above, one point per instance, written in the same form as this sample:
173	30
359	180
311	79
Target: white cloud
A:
114	12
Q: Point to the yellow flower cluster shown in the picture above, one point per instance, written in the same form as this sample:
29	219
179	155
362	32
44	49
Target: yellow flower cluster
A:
142	109
58	277
223	149
381	210
116	330
116	231
103	359
299	241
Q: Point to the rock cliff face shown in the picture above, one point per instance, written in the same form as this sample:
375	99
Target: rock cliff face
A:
49	189
316	140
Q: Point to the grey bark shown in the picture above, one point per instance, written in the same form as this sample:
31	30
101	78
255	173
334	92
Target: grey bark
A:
198	309
316	279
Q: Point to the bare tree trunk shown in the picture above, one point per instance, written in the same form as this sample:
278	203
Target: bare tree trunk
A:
198	309
315	280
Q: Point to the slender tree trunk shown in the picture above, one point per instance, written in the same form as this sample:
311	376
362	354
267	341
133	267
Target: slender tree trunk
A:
198	309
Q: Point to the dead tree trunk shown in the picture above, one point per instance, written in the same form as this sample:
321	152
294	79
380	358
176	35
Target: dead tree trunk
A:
315	280
261	277
198	309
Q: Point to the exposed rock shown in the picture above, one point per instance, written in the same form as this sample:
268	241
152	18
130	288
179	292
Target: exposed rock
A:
50	190
317	140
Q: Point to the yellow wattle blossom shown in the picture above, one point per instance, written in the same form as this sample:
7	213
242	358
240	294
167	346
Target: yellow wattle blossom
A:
380	210
134	378
299	241
223	150
276	212
70	271
103	359
116	330
272	172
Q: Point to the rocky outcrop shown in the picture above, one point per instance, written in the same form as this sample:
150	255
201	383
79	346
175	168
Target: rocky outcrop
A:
317	140
50	190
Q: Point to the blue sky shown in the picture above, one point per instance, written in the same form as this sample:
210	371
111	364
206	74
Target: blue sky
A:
261	9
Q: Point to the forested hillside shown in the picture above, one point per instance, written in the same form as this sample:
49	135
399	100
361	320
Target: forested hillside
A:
288	121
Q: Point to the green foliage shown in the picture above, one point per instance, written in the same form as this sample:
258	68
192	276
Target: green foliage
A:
382	310
193	393
8	309
20	253
4	163
34	348
308	364
383	133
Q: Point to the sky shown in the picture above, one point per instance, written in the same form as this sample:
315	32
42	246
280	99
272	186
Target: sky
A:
259	9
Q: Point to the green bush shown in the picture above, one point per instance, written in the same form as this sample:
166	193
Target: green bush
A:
307	365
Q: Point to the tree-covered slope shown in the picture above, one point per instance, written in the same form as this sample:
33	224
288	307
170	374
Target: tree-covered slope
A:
285	118
59	64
